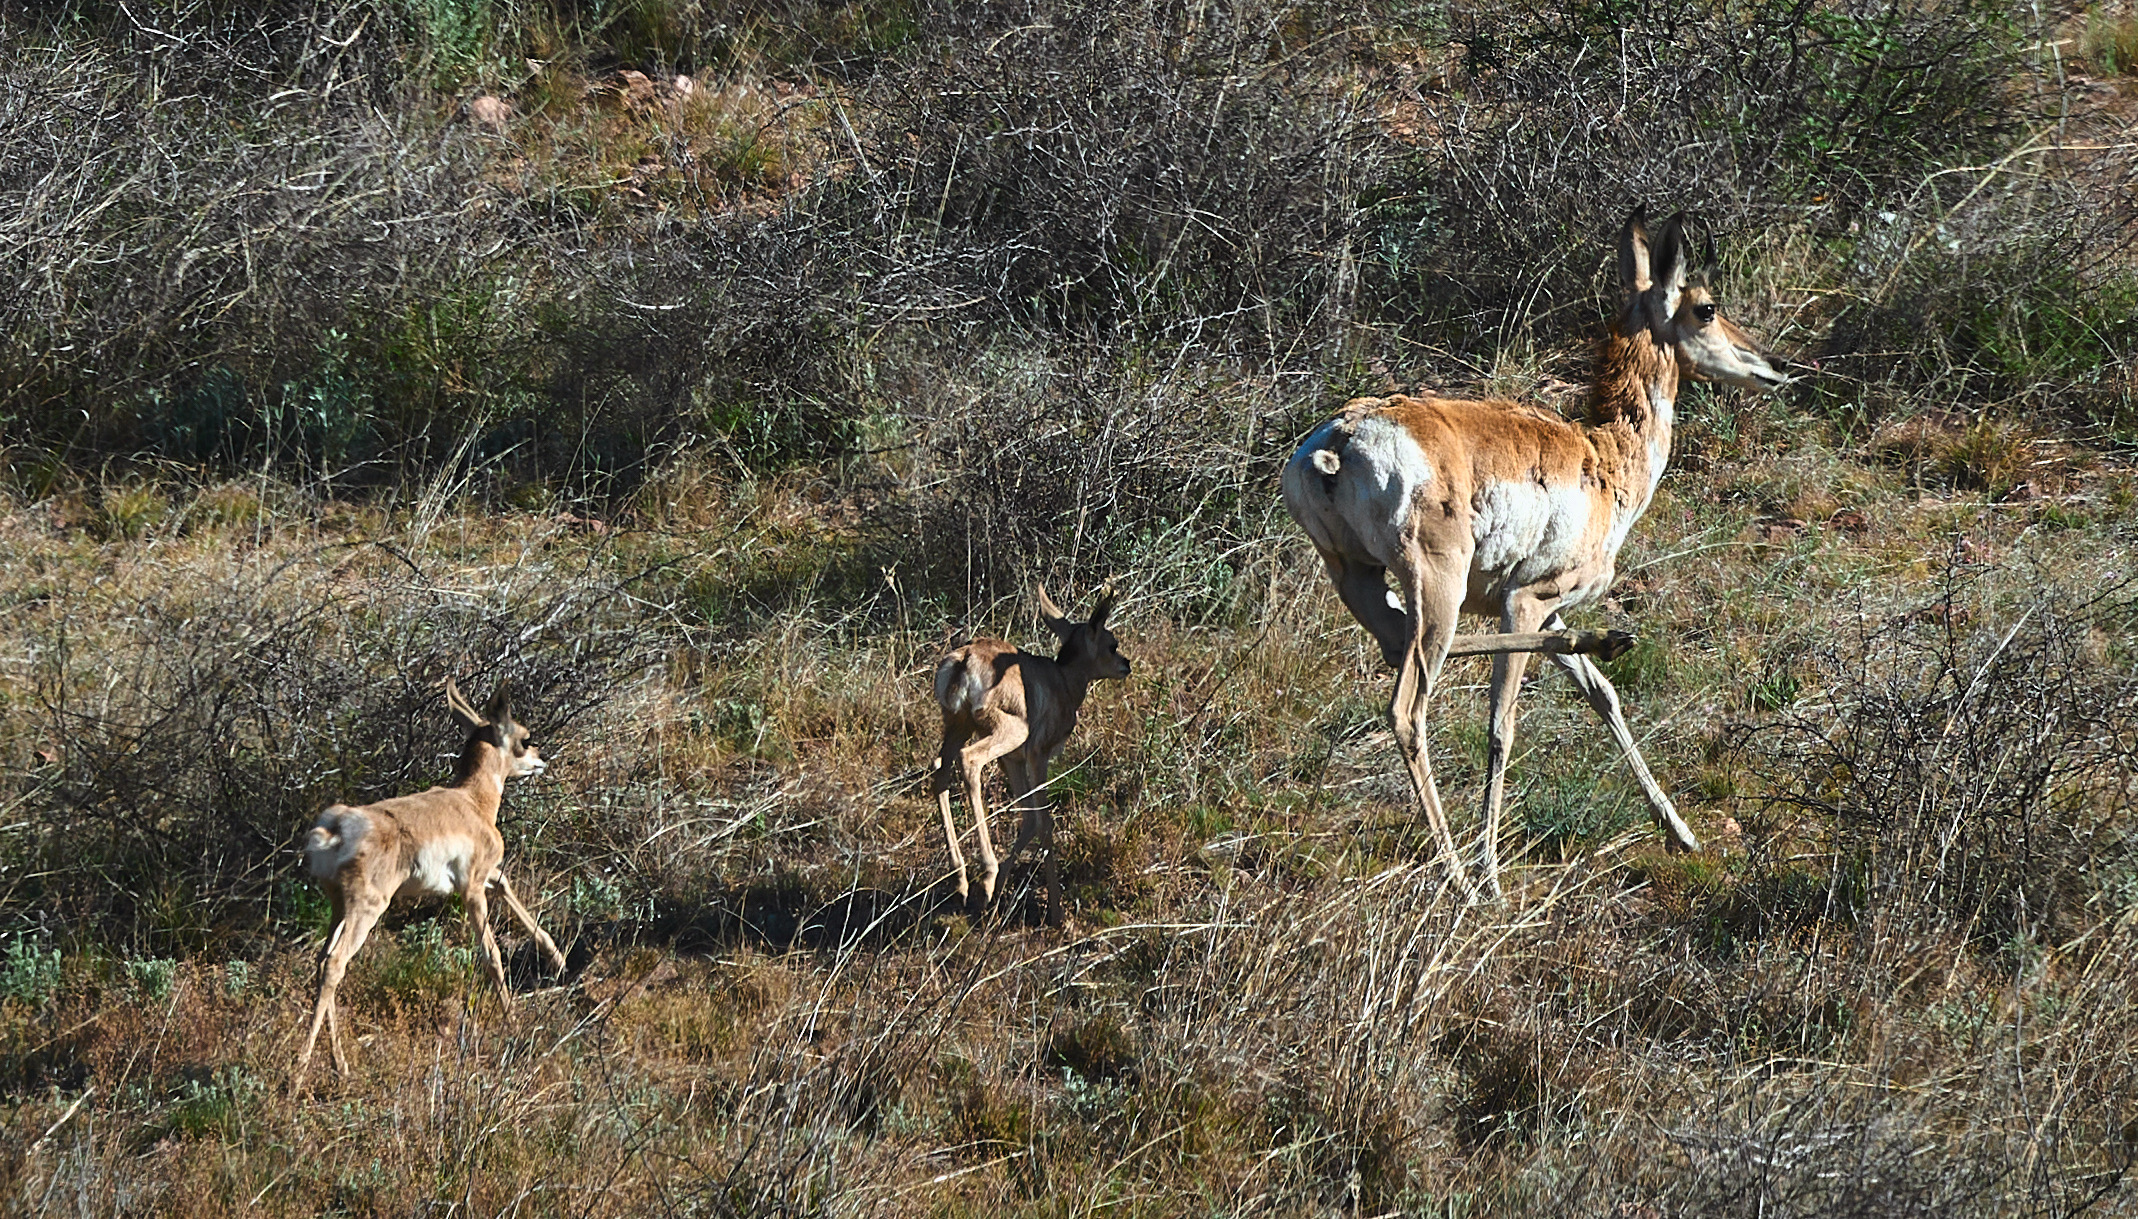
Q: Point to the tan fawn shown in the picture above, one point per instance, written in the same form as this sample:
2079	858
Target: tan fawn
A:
439	842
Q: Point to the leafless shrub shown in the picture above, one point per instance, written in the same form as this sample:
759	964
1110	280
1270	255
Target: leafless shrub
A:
194	743
1980	780
1108	162
1532	128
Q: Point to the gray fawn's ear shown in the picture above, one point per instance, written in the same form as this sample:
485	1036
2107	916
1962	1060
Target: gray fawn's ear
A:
1633	252
1104	606
1052	614
463	714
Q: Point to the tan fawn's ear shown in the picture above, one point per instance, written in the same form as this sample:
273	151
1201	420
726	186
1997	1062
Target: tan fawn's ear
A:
500	709
1103	607
1670	262
464	714
1052	614
1633	252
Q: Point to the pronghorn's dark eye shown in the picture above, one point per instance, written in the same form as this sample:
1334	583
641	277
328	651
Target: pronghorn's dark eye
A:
1706	312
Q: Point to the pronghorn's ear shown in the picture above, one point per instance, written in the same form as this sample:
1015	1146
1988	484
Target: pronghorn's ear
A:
463	714
1633	252
1052	614
1670	261
500	709
1101	608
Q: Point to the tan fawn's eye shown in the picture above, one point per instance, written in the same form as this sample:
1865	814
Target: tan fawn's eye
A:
1706	312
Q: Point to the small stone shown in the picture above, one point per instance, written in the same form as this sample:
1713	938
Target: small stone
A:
490	111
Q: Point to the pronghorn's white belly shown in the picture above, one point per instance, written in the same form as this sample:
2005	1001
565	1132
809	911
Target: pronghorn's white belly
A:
442	866
1526	533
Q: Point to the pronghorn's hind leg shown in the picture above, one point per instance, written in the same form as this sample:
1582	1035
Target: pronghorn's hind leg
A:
1364	589
1435	587
1604	700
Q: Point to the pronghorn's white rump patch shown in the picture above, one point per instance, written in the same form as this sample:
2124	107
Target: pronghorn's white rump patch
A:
957	691
333	841
1351	486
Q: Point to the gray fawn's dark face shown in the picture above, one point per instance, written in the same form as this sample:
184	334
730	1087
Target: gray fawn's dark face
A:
1099	644
1086	643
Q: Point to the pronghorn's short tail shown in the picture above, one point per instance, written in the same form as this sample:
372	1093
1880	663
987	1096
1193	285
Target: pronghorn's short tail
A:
335	836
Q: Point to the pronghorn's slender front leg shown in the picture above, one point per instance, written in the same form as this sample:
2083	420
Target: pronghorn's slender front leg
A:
1523	613
526	920
476	899
1604	700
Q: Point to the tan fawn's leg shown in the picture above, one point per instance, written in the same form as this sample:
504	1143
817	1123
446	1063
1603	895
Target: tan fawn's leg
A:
948	775
350	931
1005	735
526	920
1604	700
478	905
1523	613
1435	597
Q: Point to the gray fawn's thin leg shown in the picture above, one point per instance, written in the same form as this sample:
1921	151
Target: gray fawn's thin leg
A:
949	774
1005	736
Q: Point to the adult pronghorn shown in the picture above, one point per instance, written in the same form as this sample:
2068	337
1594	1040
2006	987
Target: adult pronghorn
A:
439	842
1504	508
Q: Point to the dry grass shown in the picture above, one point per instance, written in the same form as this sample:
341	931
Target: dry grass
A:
1267	1002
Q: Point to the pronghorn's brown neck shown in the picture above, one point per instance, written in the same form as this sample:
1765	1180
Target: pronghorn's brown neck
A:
1632	368
481	771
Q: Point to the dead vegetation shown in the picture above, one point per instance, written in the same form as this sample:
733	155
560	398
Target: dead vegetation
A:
711	416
